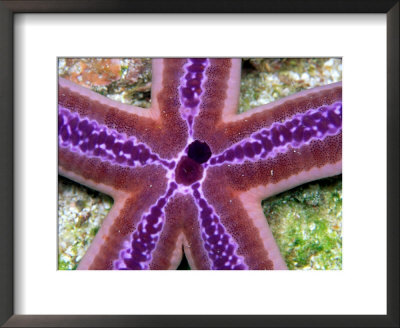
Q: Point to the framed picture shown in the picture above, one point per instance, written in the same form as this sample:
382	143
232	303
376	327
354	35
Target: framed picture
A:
294	59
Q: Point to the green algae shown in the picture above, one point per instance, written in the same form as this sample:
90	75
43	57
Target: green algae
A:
65	265
81	212
306	223
268	79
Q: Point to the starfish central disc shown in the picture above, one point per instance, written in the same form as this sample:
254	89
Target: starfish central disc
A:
199	151
188	171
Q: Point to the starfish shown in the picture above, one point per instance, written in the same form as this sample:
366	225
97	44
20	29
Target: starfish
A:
188	175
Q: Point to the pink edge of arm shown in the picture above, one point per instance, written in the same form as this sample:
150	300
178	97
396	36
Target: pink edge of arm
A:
328	170
94	96
281	101
101	235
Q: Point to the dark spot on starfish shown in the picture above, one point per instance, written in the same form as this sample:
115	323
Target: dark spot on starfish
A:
199	151
188	171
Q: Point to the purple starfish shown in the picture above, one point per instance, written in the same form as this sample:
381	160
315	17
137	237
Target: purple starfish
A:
189	174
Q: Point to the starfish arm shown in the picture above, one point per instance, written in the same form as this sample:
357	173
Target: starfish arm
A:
87	103
166	100
100	157
264	179
292	142
151	244
195	251
131	225
239	127
168	253
185	87
219	100
161	130
243	220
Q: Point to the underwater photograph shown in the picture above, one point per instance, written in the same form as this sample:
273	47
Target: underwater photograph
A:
199	163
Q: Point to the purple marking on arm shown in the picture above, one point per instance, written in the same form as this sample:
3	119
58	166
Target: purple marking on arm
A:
137	252
219	245
191	89
92	139
301	129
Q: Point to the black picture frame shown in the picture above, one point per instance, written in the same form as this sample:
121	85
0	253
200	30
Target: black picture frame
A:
7	11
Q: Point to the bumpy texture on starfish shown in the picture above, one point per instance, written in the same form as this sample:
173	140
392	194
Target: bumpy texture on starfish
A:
189	174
